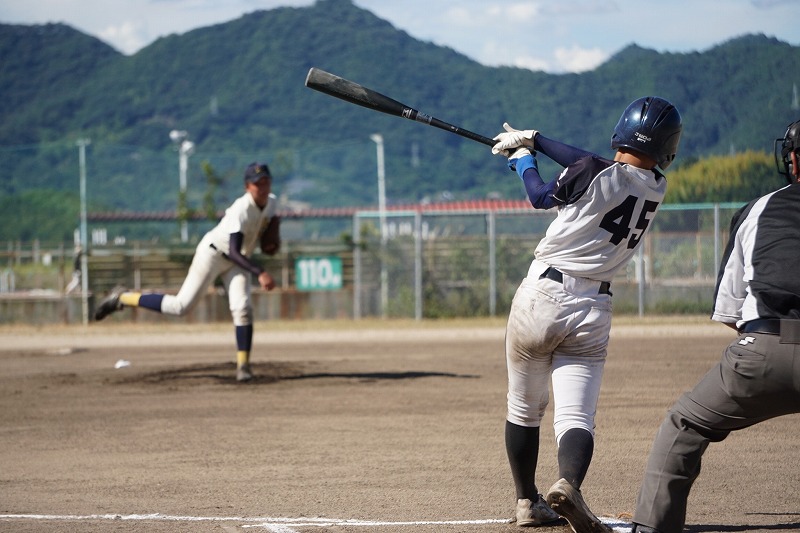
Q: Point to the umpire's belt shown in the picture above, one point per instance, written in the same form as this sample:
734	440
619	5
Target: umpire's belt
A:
556	275
763	325
789	330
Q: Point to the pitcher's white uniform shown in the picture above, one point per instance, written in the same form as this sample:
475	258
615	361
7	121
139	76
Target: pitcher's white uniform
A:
210	260
224	251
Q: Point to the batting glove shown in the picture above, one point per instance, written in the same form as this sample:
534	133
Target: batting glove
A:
521	157
512	138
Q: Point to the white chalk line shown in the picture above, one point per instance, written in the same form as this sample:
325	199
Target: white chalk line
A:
280	524
299	521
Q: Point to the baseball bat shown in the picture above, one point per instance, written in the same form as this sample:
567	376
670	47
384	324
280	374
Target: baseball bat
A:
352	92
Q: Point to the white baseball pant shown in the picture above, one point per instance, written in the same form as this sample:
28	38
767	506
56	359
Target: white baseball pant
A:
560	330
206	265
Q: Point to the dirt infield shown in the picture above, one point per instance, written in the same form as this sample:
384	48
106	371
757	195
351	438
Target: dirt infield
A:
349	427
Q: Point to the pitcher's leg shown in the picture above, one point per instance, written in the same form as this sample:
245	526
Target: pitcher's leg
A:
237	284
205	267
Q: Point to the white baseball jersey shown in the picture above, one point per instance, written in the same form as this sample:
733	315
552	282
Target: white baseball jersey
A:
243	216
606	209
209	262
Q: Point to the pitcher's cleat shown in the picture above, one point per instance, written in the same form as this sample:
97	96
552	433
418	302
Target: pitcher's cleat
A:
567	501
243	373
110	304
536	513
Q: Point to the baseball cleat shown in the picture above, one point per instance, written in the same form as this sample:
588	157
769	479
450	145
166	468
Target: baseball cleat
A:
536	513
638	528
567	501
109	304
243	373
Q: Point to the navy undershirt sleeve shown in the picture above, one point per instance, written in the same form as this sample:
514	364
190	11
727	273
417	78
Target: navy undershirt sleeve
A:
539	193
561	153
235	255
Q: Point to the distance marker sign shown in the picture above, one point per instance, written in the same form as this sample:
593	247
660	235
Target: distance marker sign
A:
318	273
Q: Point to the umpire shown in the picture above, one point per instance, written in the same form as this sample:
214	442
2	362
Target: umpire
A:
758	378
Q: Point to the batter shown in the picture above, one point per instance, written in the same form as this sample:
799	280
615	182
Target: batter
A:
558	326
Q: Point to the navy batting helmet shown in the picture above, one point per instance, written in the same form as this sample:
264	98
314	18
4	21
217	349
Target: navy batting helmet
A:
652	126
788	144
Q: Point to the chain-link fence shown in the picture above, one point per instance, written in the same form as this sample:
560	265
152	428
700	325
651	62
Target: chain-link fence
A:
436	264
424	264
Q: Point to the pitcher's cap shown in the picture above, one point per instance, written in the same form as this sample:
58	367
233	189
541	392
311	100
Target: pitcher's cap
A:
256	171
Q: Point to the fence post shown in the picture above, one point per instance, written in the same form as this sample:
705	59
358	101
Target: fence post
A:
356	267
716	235
417	265
82	143
492	234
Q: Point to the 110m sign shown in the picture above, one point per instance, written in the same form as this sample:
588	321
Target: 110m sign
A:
318	273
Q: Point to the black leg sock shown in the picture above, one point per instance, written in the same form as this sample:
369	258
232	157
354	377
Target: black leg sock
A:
574	455
522	447
244	337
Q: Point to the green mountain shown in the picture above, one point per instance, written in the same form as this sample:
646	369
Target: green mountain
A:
238	89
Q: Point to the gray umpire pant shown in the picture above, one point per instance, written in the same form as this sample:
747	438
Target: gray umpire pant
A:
757	379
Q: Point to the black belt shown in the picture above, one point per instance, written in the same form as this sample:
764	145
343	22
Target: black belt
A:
223	254
770	326
556	275
787	329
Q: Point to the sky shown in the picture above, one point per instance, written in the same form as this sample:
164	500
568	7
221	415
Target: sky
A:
554	36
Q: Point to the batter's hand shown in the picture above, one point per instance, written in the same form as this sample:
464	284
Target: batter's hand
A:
518	154
512	138
266	281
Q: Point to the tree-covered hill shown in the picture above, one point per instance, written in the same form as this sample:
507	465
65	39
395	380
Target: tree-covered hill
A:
237	88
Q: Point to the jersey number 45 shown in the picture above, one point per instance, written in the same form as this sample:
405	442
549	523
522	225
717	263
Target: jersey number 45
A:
618	221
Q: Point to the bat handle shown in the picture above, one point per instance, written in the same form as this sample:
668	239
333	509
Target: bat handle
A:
480	138
464	133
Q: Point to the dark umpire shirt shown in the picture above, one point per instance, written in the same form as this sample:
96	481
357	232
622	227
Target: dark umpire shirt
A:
759	276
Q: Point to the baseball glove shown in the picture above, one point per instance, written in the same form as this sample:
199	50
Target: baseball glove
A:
271	236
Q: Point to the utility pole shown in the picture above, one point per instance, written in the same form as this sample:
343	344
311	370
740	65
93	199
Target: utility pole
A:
82	144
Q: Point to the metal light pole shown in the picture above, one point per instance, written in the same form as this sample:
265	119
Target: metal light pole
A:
185	149
377	138
82	143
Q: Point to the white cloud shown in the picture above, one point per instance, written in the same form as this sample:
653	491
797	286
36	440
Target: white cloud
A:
577	59
519	12
532	63
558	60
127	37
